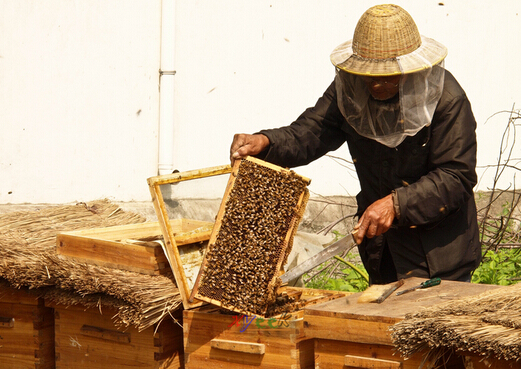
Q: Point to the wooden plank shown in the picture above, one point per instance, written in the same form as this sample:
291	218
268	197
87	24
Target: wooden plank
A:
137	230
106	334
331	354
364	331
394	308
170	247
370	363
112	253
188	175
238	346
184	230
478	362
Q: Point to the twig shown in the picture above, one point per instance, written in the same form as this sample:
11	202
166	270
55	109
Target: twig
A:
354	267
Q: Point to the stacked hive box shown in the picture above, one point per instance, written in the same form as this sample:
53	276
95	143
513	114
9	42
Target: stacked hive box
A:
88	338
352	335
216	339
26	330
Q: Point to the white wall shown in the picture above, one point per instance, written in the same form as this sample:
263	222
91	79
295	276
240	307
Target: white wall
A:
78	99
74	75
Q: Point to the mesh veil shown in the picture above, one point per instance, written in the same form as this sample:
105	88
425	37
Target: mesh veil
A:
390	122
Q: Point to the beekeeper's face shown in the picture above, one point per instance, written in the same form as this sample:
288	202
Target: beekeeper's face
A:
383	88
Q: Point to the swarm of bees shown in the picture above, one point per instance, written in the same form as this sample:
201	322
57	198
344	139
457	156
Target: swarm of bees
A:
263	207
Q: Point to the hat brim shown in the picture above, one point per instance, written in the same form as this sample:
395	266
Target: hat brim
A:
427	55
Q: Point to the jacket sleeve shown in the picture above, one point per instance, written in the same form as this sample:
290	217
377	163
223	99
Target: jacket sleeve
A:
312	135
451	176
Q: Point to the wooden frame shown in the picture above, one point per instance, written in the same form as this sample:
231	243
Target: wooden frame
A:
170	246
302	200
122	247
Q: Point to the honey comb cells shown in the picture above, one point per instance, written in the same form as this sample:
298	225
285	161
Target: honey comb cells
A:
263	207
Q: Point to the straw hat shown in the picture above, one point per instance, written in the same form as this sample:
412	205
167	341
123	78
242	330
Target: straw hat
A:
387	42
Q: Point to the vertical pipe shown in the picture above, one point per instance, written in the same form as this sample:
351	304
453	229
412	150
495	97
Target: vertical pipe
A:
167	88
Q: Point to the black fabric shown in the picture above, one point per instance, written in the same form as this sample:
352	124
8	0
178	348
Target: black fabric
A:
432	172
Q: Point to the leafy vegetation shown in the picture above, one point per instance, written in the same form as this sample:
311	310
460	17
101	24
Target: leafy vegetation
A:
502	267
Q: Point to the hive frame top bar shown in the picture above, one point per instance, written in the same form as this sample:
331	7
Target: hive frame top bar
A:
276	167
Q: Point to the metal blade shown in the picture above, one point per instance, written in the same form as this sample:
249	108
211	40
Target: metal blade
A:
317	259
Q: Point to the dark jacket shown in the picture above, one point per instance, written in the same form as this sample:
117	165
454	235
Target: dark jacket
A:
433	174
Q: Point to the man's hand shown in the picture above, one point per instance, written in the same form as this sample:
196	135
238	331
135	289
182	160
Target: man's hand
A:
244	145
376	219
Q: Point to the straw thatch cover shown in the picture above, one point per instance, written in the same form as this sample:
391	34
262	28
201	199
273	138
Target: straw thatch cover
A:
29	261
488	325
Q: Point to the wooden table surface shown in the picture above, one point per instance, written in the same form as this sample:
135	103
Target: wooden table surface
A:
395	308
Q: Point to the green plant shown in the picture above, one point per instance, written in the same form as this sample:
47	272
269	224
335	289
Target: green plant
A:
339	274
502	267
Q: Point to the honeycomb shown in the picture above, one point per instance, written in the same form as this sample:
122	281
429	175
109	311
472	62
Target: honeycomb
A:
260	217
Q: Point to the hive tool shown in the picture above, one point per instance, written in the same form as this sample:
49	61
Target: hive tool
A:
334	249
426	284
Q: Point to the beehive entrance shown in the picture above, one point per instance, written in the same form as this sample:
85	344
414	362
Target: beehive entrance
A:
252	237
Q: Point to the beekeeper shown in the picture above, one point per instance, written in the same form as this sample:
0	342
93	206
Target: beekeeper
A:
411	134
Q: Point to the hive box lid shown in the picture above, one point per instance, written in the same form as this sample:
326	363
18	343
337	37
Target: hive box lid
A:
133	247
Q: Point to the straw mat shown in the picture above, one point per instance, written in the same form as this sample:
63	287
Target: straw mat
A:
488	325
29	261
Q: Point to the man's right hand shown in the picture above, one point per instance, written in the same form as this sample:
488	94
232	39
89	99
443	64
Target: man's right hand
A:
244	145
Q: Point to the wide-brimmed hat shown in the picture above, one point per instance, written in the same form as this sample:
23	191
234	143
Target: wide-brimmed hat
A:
387	42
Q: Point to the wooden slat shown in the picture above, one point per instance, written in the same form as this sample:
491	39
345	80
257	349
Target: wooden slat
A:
347	329
184	230
6	322
276	167
238	346
170	246
188	175
105	334
370	363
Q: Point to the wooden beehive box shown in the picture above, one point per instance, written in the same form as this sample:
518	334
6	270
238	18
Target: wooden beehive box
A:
26	330
252	237
88	338
348	334
217	338
133	247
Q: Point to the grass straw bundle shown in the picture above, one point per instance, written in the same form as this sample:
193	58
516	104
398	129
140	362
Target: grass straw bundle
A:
29	260
487	325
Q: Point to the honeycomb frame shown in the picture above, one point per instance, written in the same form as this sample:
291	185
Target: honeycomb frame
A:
252	237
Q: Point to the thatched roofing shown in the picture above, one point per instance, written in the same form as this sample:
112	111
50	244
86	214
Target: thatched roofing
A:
488	325
29	260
